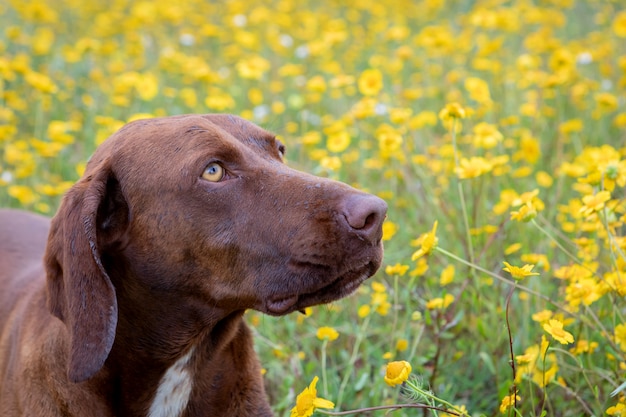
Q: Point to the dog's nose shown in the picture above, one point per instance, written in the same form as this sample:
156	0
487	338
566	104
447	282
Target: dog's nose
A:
365	214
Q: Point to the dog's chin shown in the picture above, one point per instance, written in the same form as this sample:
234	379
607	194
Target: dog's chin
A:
341	287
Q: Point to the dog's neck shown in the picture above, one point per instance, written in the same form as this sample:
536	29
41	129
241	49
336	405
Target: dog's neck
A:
188	360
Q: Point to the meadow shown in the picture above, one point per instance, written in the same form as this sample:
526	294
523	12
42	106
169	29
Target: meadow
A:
494	129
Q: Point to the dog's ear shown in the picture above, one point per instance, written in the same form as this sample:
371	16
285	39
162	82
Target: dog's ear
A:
80	293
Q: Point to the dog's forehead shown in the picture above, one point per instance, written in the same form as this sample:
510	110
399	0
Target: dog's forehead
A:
244	131
144	145
177	133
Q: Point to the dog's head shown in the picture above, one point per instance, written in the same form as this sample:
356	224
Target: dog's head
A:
202	208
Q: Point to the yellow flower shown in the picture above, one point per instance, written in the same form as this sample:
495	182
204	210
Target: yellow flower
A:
620	336
473	167
316	84
619	408
364	311
402	345
508	402
447	275
389	229
331	163
555	329
452	111
338	142
378	287
24	194
584	346
397	372
478	90
619	24
253	68
397	269
525	213
327	333
400	115
594	203
307	401
542	316
147	86
512	248
389	141
519	273
41	82
370	82
440	303
429	242
486	136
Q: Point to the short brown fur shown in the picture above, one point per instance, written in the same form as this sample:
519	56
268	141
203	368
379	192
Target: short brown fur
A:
146	260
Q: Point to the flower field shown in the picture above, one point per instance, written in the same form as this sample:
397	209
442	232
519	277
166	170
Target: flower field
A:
494	129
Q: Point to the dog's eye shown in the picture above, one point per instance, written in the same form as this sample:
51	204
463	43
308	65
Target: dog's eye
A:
214	172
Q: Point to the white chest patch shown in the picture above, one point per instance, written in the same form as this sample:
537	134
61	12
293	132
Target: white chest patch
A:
174	389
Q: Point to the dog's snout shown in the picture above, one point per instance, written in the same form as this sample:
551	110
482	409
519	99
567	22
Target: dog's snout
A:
365	215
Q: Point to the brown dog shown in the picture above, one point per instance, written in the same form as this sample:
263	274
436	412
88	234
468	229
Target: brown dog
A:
178	226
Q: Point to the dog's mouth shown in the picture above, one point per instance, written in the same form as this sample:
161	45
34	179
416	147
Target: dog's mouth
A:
342	286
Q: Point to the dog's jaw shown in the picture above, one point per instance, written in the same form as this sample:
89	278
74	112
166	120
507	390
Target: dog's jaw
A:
340	287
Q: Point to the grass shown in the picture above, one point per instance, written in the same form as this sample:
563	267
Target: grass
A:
503	121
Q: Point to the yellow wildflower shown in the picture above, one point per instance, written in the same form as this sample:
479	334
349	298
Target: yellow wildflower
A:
378	287
555	329
473	167
452	111
512	248
618	409
331	163
440	303
584	346
370	82
525	213
327	333
24	194
486	136
620	336
542	316
397	372
400	115
364	311
41	82
619	24
508	402
338	142
389	229
447	275
253	68
402	345
519	273
594	203
478	90
397	269
389	141
428	241
307	401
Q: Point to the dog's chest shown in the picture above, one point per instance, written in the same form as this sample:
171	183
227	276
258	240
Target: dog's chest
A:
174	389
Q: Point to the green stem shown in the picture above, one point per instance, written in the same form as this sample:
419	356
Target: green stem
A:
324	378
388	407
428	395
557	243
353	358
395	312
468	234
